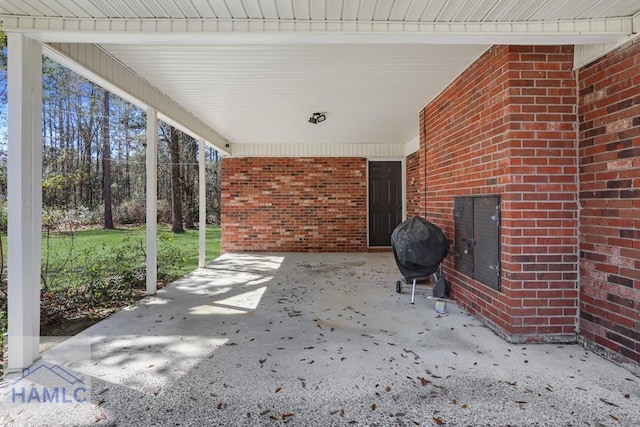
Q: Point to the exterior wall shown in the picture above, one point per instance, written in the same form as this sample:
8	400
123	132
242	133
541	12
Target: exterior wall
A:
414	185
506	126
609	109
294	204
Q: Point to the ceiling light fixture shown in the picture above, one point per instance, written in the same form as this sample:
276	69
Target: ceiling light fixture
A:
317	118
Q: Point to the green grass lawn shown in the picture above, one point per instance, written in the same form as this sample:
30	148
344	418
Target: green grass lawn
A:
95	239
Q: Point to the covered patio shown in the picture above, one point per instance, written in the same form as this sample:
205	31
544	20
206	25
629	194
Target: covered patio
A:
520	117
319	339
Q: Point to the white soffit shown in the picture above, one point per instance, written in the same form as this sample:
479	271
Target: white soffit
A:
255	70
266	94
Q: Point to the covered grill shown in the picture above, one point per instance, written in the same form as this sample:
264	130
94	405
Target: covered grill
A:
419	247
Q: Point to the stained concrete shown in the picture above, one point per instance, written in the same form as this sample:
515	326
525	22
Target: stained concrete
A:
318	340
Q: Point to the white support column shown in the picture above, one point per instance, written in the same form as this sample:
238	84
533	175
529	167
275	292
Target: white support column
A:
25	199
202	203
152	201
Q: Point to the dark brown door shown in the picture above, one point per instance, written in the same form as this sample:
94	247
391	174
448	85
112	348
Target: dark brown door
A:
385	201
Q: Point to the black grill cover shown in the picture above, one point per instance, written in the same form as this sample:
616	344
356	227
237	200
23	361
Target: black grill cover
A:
418	247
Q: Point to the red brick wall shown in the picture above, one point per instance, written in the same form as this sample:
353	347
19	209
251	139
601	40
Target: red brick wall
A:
294	204
414	185
506	126
609	109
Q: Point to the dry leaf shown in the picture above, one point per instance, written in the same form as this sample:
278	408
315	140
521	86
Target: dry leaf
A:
627	396
287	415
423	381
614	417
438	421
454	401
373	407
464	406
609	403
278	389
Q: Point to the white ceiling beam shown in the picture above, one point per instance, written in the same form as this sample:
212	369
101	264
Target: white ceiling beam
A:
268	31
93	63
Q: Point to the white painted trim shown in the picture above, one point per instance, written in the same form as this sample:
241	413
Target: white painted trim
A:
261	31
412	145
586	54
319	150
403	172
202	205
24	196
95	64
152	201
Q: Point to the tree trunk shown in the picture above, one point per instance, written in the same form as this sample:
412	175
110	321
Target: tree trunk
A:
190	185
106	163
176	195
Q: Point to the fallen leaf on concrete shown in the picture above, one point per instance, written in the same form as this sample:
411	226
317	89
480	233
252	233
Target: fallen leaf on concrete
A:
626	396
373	406
101	417
287	415
278	389
454	402
512	384
463	406
438	421
614	417
423	381
609	403
352	422
273	417
262	361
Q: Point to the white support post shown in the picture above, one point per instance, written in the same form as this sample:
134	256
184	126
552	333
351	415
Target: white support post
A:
25	199
202	203
152	201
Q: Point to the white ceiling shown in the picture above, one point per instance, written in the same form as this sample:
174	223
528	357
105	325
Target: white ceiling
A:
338	10
262	90
266	94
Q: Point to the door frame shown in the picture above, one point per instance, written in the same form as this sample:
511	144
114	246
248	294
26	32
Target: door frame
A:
403	172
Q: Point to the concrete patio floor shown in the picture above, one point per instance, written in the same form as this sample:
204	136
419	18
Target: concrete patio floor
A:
318	340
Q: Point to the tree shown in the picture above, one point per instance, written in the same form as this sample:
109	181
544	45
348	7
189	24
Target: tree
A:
176	194
190	183
106	163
